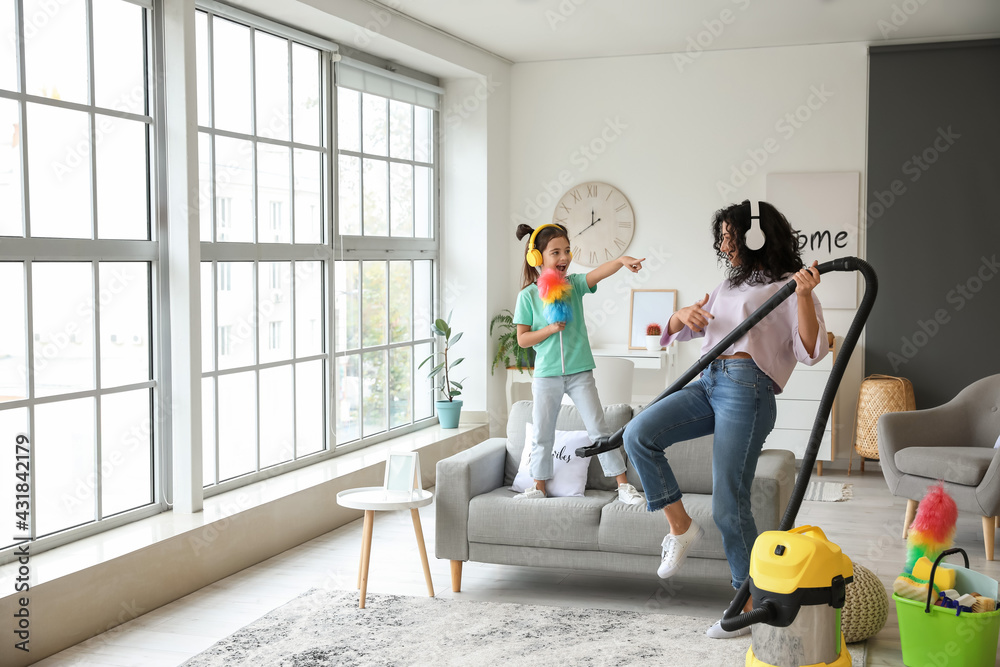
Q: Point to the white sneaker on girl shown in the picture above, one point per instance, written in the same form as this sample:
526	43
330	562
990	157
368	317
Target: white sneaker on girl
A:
530	493
628	495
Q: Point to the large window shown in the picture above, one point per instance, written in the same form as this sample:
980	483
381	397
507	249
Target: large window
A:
77	265
385	273
318	259
263	162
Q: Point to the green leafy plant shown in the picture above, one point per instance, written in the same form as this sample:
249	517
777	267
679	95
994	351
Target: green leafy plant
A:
507	347
441	372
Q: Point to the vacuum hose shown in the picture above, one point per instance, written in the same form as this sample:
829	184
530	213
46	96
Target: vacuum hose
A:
733	619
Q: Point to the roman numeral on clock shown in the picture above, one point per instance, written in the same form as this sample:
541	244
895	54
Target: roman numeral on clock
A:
620	243
591	190
576	251
625	223
607	253
576	196
593	258
620	208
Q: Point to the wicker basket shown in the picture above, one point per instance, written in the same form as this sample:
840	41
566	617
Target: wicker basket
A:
879	394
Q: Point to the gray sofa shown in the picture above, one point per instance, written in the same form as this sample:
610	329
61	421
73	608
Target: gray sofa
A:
477	518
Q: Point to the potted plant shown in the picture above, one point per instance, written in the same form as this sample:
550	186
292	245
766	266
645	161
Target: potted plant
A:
653	337
509	353
448	408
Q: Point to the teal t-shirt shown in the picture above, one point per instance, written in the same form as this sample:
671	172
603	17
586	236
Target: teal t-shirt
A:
575	343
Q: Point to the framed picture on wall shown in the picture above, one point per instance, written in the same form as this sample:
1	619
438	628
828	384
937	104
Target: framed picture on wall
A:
648	306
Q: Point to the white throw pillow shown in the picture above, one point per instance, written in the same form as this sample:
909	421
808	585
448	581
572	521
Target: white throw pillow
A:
569	471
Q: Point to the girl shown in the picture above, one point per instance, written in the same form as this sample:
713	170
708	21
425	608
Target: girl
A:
550	382
734	397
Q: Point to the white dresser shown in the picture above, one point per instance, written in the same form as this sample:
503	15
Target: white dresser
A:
797	407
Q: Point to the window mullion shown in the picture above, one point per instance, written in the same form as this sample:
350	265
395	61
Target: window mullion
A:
215	366
256	336
98	482
30	368
92	117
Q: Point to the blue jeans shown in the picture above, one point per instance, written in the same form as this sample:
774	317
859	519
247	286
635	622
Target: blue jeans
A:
547	393
733	399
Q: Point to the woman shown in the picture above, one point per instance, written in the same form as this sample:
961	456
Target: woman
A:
734	397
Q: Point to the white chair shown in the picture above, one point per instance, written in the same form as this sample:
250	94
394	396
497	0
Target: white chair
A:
613	377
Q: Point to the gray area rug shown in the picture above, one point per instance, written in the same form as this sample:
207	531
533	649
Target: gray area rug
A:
828	492
321	628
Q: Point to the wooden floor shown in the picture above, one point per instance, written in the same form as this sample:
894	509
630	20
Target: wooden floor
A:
868	528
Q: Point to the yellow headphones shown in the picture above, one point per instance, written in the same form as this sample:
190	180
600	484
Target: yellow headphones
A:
534	258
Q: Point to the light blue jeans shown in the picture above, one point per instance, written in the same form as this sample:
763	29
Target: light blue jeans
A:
547	395
733	399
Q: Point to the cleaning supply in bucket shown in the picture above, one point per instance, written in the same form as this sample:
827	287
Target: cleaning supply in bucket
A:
933	528
931	533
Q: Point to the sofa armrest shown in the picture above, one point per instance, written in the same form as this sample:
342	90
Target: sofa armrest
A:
773	483
940	426
460	478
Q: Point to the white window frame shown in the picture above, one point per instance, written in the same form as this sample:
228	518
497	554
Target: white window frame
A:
28	250
262	250
362	248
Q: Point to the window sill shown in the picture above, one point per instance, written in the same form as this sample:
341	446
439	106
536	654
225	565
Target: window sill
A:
116	542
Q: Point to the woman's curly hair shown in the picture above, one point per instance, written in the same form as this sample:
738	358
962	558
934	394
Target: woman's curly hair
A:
779	256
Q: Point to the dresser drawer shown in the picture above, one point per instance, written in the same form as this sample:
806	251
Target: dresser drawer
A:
795	441
797	414
805	385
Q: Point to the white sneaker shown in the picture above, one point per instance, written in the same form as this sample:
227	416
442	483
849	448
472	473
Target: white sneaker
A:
716	631
675	550
628	495
530	493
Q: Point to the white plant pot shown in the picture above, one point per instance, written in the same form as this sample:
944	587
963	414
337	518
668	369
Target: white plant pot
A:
653	343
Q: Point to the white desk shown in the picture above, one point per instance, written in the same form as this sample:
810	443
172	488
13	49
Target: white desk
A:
373	498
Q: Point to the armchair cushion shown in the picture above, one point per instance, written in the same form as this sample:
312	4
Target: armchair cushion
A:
959	465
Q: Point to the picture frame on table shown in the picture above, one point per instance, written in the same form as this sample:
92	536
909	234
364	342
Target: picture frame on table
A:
402	472
648	306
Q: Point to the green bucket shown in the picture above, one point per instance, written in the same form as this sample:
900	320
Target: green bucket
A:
937	637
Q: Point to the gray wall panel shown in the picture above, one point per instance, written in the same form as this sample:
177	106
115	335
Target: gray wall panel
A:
933	227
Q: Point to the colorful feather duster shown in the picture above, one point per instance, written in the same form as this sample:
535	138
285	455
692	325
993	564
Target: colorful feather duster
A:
554	290
933	529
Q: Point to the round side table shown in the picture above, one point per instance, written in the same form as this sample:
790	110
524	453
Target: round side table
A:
376	498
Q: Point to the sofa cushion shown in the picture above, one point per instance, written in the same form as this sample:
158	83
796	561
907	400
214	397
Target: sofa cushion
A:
615	416
554	523
959	465
635	530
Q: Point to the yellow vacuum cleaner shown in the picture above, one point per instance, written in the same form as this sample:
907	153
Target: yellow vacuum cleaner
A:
798	580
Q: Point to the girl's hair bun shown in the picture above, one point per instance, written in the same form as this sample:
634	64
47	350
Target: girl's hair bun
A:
522	231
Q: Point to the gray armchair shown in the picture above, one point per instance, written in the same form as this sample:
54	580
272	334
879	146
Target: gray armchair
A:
954	443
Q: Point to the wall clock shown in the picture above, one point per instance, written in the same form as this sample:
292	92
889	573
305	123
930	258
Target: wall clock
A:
599	219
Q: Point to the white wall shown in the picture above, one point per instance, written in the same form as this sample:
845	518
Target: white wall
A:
671	137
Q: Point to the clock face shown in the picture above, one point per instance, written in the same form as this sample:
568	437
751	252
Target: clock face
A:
600	222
